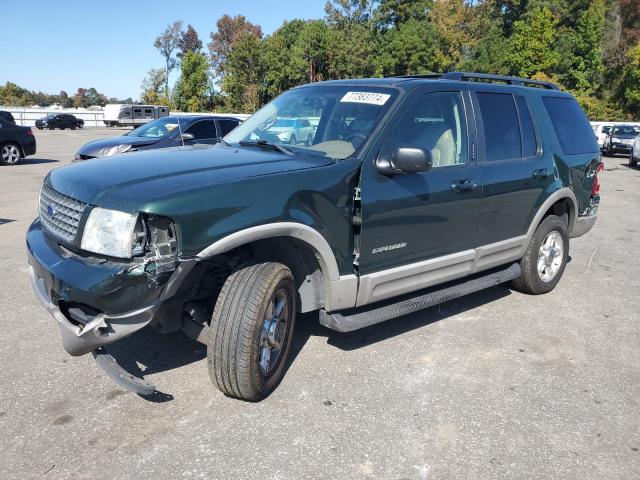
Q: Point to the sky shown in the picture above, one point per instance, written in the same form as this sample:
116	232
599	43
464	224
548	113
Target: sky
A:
66	44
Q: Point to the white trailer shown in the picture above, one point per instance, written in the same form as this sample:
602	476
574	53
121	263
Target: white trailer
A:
118	115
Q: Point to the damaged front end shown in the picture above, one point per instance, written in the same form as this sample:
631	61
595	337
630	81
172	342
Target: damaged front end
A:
96	300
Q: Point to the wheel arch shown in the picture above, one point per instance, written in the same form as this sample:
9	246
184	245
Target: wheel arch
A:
559	202
305	251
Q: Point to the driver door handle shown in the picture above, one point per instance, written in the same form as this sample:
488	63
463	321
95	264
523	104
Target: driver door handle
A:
466	185
541	173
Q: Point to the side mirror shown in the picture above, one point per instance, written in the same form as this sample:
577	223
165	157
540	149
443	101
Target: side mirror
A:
186	137
405	160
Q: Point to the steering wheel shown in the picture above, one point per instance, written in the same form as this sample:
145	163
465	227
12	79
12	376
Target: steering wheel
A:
356	139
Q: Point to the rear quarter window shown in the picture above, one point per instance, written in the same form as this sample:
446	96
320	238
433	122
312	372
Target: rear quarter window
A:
571	125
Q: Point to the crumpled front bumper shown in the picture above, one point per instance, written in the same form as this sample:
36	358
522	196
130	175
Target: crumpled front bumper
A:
79	339
94	303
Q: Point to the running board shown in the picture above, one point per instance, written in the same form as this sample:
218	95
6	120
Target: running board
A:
367	317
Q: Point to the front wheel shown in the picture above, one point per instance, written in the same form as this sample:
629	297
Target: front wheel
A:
632	161
251	331
546	257
292	140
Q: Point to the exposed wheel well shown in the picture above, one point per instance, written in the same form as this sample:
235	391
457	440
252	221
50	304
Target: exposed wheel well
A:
564	209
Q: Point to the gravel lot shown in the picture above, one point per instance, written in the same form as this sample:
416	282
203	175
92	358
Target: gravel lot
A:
496	385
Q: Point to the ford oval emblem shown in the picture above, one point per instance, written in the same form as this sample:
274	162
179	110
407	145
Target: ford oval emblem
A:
50	211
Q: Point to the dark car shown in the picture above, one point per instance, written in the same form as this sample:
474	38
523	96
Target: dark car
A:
620	139
59	120
413	191
162	133
7	116
16	142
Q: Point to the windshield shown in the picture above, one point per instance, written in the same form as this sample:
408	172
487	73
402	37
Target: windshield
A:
330	120
160	128
626	130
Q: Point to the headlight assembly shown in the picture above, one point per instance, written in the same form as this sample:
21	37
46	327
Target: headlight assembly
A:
126	235
107	152
109	232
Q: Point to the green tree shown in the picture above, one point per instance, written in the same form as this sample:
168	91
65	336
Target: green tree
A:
193	86
283	69
346	13
243	81
631	81
15	96
310	51
394	13
409	48
229	30
353	52
153	88
532	44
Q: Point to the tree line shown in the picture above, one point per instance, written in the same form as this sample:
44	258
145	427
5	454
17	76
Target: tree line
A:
17	96
591	48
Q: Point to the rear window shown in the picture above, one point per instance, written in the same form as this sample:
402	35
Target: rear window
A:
571	125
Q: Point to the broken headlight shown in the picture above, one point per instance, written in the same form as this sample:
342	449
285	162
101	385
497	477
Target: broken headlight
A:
109	232
125	235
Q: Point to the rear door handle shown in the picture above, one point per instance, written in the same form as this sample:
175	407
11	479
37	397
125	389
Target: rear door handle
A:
465	185
541	173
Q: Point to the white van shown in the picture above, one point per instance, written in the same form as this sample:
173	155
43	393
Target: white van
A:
118	115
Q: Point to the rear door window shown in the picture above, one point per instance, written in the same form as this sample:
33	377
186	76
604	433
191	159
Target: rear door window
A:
226	126
501	126
203	129
571	125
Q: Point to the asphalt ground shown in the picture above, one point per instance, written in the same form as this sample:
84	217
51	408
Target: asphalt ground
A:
495	385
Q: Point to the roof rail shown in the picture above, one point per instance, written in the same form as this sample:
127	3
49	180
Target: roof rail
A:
466	76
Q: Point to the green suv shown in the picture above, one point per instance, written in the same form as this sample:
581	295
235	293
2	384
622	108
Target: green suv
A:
411	191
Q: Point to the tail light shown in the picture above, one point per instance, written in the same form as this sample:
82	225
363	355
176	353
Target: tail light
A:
30	132
595	190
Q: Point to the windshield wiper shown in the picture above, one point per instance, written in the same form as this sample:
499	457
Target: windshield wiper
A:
266	145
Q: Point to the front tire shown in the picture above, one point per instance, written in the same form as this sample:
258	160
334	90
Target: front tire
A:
10	154
546	257
632	161
251	331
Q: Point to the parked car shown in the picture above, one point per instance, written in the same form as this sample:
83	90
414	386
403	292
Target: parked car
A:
16	142
620	138
119	115
59	120
292	130
7	117
161	133
634	155
601	131
414	191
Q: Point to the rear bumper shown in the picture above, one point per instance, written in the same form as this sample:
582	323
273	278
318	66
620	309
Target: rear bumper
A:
29	147
583	225
95	302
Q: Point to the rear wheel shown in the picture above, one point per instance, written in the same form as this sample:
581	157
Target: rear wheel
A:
545	258
251	331
10	154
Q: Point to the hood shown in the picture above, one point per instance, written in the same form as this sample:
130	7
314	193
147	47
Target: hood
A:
98	147
130	181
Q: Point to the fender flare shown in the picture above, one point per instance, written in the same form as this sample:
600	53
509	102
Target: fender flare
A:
559	194
340	290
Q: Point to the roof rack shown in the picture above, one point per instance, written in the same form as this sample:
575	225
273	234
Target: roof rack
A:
466	76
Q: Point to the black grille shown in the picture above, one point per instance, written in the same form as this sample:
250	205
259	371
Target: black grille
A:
60	214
